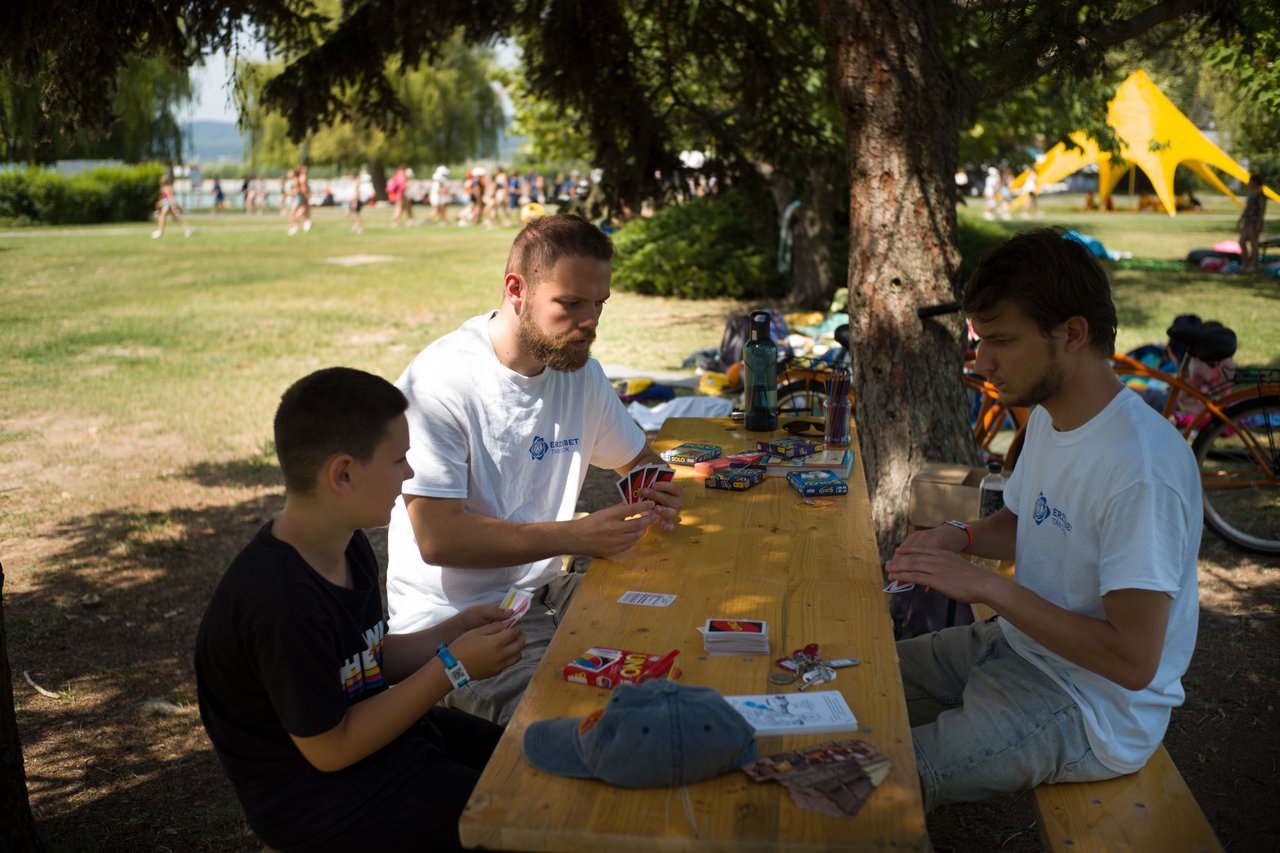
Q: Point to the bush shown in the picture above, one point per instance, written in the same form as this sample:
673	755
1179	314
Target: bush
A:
105	194
700	249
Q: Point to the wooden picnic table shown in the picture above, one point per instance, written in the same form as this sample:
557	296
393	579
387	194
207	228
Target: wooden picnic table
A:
813	574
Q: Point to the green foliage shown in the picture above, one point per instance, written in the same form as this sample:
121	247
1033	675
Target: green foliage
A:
451	113
107	194
976	237
701	249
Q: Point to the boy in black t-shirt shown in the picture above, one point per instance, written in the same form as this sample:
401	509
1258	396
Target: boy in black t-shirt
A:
293	659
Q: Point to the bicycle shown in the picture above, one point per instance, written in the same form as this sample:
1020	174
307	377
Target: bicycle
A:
1233	430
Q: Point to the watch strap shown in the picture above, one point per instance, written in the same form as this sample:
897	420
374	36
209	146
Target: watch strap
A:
968	531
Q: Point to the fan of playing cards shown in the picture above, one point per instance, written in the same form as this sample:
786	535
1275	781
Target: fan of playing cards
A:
736	637
633	484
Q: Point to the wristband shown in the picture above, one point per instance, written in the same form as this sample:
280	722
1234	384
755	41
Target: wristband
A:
968	531
458	675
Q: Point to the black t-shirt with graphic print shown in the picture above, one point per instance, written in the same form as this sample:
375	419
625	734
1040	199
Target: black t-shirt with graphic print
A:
283	651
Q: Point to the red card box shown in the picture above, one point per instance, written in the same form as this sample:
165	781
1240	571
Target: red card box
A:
600	667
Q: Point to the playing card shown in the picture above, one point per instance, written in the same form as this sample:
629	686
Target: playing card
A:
898	586
648	599
518	601
733	626
623	489
665	474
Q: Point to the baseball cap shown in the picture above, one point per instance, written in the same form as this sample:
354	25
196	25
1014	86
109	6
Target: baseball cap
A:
656	734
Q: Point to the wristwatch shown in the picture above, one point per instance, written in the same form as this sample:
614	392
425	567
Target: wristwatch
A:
458	675
968	531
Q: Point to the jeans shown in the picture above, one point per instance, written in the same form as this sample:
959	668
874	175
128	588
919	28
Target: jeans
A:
985	721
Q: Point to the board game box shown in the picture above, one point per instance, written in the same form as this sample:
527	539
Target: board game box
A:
737	479
690	452
787	448
812	484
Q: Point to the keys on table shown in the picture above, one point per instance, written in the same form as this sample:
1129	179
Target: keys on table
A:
808	666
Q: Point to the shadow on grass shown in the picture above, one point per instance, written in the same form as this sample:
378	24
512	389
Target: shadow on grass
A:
110	625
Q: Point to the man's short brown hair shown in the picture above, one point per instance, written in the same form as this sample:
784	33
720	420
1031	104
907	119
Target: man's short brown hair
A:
545	240
1050	277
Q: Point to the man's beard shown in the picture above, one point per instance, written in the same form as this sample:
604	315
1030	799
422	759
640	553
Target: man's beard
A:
1043	389
558	353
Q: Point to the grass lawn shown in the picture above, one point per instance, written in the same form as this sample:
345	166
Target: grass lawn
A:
138	378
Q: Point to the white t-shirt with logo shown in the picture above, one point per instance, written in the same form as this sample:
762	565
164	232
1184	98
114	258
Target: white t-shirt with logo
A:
1113	504
514	447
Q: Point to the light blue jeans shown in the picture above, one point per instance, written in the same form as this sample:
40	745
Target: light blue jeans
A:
985	721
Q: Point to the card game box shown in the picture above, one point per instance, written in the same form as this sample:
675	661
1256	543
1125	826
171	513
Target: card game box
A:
736	479
787	448
812	484
690	452
600	667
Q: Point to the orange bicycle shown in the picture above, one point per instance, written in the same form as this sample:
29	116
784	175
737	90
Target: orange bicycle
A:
1233	428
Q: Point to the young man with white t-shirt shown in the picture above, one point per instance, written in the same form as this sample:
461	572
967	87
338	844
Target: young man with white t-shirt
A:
1075	679
505	414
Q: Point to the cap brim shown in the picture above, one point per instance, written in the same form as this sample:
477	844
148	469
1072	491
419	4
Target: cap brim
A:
553	746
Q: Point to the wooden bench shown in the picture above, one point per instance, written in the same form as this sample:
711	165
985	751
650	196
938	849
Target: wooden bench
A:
1151	810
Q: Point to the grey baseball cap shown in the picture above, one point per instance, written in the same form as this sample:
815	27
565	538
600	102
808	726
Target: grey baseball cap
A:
656	734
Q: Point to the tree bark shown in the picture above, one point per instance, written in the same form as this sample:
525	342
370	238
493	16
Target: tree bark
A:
898	99
15	809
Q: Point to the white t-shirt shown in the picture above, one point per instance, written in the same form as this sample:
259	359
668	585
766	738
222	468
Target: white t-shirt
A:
515	447
1113	504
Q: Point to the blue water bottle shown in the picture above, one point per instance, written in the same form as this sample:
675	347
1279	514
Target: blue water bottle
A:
760	358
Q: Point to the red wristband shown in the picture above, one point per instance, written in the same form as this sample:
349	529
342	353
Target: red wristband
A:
968	531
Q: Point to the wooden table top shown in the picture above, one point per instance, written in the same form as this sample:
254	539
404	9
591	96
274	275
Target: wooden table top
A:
813	574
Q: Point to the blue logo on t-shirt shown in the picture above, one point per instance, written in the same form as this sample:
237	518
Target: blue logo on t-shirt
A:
541	447
1042	509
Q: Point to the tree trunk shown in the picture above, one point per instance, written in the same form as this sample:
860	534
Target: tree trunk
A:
813	276
15	809
813	273
899	103
378	177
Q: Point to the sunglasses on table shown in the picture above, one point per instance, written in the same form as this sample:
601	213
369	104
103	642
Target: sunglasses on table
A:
804	427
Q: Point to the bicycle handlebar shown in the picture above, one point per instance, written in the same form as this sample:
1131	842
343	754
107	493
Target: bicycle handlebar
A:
928	311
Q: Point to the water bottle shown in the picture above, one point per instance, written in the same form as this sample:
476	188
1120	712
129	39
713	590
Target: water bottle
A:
991	490
990	500
760	356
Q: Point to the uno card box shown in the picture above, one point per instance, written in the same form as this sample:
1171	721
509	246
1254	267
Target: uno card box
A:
812	484
787	448
597	667
736	479
690	453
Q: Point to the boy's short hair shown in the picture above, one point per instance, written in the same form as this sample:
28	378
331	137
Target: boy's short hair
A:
334	410
547	239
1051	278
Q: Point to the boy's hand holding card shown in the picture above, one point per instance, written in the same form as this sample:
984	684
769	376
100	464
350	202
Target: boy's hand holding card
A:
516	600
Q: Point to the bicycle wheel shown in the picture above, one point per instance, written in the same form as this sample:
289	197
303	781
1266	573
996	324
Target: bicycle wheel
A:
802	397
1239	465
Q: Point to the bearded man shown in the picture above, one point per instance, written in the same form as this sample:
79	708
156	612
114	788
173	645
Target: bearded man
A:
1075	678
505	414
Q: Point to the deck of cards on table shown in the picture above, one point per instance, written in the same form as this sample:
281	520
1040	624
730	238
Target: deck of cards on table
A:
735	637
632	484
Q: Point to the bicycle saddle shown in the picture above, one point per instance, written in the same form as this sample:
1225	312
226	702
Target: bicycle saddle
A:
1209	341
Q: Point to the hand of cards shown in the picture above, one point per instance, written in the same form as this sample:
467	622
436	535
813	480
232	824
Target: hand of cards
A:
516	600
632	485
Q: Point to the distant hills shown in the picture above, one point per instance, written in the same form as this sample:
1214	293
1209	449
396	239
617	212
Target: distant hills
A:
208	142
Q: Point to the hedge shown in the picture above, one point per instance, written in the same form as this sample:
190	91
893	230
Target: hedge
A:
702	248
105	194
